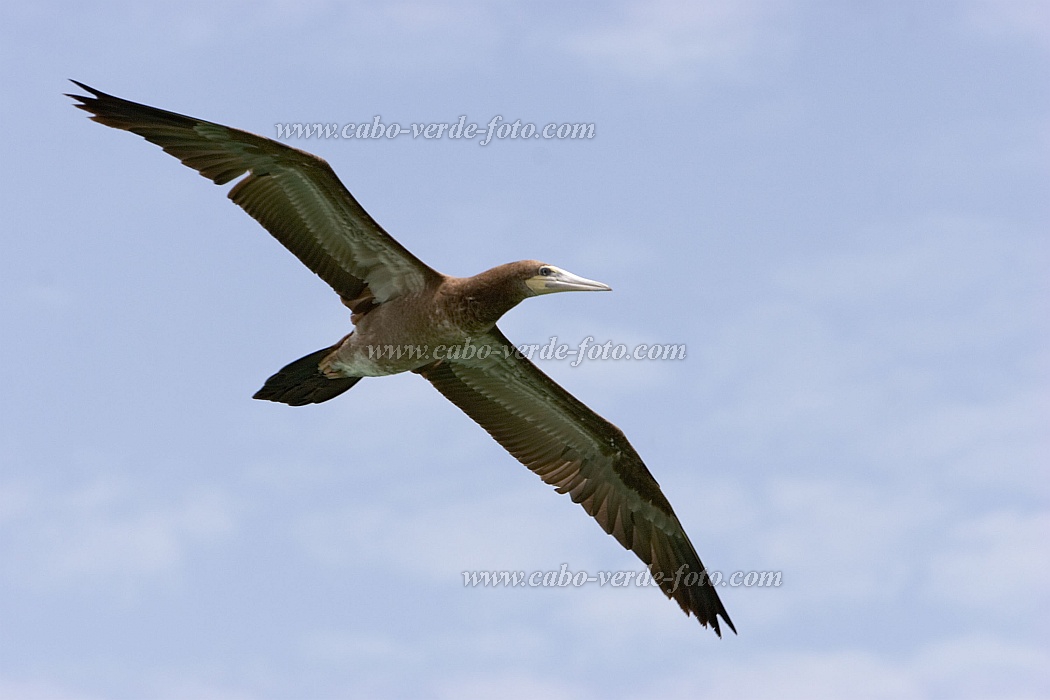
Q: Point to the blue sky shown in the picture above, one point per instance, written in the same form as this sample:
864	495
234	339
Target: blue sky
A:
841	211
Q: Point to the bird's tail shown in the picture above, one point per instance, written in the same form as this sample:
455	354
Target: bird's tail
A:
302	382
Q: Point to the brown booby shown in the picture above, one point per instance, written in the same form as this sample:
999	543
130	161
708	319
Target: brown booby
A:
396	300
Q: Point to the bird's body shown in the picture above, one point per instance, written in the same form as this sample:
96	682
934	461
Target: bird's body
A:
445	314
409	317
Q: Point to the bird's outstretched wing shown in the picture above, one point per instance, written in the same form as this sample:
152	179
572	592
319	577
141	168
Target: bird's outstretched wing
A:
295	195
574	449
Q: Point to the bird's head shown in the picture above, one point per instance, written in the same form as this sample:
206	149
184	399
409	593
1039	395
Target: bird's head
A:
495	292
542	278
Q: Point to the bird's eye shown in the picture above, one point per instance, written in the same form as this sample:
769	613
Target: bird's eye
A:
545	271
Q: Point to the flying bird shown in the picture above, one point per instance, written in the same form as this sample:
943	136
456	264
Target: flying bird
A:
397	301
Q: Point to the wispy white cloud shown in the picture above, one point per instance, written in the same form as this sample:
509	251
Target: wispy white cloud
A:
108	530
846	541
997	443
883	343
342	647
167	688
669	39
673	39
510	685
994	557
799	675
981	666
11	689
1011	20
441	538
967	668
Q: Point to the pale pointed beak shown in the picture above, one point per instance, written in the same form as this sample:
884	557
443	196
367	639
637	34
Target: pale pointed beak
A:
563	281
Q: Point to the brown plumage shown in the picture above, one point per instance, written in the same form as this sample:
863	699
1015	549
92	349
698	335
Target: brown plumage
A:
399	302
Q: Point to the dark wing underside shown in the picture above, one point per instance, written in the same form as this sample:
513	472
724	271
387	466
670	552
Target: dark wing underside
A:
296	196
574	449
